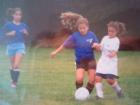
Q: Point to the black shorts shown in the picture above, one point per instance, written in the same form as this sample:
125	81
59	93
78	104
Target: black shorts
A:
86	64
107	76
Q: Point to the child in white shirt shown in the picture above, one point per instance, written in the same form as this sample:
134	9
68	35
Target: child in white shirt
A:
107	66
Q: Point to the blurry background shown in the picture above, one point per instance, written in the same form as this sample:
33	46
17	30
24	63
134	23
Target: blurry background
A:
46	31
51	82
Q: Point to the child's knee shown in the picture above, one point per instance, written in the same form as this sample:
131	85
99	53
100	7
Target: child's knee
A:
111	81
79	80
16	67
92	81
98	79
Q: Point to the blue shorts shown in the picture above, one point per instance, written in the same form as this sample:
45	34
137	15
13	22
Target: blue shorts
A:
13	49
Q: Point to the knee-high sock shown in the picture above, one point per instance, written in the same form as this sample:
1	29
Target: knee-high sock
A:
90	87
16	75
116	87
99	90
78	84
12	74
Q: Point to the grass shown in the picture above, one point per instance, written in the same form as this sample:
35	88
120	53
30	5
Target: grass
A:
46	81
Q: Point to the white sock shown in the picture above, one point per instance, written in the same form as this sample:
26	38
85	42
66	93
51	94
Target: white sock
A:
99	90
116	87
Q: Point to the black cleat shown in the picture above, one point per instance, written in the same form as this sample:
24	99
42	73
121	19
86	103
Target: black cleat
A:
120	94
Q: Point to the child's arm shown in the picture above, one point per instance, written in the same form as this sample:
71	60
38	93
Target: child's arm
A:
12	33
114	49
112	54
97	46
53	54
25	32
7	31
69	42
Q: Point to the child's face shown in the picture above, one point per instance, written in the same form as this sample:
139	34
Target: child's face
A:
112	32
83	29
17	16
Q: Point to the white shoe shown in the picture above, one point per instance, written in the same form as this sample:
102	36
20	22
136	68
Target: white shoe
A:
99	98
13	85
89	96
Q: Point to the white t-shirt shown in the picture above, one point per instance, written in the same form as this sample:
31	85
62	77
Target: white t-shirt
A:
107	65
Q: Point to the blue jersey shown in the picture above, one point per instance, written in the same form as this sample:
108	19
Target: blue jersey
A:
19	36
82	45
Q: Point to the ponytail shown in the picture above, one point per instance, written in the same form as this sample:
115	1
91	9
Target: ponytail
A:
122	29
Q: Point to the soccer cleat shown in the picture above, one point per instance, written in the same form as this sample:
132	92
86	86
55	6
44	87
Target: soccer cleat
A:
120	94
99	98
13	85
89	96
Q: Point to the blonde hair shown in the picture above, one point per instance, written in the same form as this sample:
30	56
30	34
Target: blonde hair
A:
119	27
82	21
69	20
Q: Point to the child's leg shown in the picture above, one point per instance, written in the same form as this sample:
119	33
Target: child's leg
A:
99	87
79	77
17	62
91	78
115	86
12	60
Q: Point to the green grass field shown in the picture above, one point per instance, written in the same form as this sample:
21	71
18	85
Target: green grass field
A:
46	81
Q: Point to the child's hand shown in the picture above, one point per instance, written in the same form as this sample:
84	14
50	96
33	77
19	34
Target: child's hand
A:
53	54
112	54
12	33
97	46
24	31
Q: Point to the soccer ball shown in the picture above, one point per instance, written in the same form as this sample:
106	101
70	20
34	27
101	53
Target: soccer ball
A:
81	94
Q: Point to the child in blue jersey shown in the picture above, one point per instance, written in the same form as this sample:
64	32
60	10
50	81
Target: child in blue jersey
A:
15	32
82	42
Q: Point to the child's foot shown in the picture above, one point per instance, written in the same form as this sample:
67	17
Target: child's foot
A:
89	96
13	85
120	94
99	98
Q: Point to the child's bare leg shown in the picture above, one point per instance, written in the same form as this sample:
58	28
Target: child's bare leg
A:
99	87
91	78
12	60
18	59
79	77
115	86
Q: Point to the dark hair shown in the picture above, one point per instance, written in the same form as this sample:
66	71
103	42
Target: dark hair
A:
119	26
11	11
